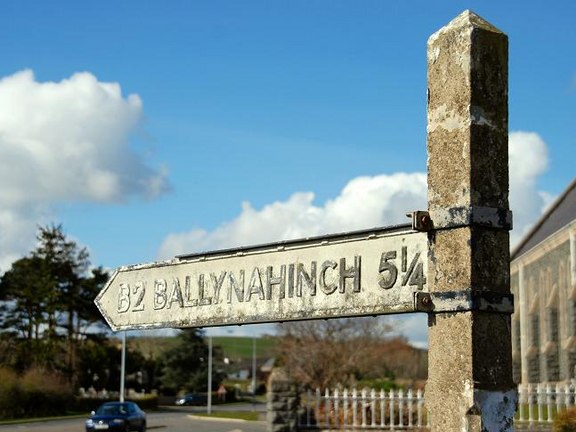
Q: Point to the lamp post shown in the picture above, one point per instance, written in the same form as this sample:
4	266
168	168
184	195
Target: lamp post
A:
253	372
123	366
209	403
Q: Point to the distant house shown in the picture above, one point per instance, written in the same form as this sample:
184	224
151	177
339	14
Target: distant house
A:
543	280
244	370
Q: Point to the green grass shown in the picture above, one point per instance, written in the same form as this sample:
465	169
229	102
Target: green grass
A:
232	347
241	347
239	415
152	347
42	419
535	412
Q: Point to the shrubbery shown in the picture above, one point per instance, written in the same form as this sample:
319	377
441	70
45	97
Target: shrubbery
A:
36	393
565	421
9	391
377	384
147	402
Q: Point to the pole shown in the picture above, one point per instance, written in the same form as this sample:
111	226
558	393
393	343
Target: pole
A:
470	386
253	373
209	404
123	367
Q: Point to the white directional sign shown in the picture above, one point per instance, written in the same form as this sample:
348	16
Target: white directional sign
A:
353	274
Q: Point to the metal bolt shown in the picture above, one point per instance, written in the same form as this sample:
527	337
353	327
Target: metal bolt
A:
425	220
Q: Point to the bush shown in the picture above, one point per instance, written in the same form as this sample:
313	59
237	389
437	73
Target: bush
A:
565	421
45	393
37	393
147	402
9	392
378	384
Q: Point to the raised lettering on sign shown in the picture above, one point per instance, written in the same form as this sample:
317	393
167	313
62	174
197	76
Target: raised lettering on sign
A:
359	273
331	277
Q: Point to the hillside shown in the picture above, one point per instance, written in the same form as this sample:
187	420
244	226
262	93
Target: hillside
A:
242	347
235	348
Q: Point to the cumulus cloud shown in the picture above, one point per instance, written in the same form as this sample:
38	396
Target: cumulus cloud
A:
365	202
528	161
63	142
69	141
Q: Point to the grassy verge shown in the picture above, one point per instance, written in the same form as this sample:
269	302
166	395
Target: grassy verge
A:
239	415
42	419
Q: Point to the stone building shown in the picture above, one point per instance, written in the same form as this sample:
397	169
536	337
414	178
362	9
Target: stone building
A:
543	280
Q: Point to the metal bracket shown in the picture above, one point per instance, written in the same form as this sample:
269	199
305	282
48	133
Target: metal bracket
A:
456	217
421	221
489	217
462	301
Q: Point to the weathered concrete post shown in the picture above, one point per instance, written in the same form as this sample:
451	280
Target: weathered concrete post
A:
470	385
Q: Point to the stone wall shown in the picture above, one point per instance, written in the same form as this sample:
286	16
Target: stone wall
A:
282	402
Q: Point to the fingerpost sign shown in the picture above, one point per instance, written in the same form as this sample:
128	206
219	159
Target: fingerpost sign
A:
451	263
369	272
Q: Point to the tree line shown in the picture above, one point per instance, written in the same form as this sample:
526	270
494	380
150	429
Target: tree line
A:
48	322
349	352
47	313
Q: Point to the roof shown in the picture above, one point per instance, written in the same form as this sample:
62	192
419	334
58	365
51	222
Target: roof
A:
268	365
559	215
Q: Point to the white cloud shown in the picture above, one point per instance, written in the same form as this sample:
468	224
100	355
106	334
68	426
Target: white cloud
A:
17	231
528	161
412	326
364	202
62	142
367	202
69	141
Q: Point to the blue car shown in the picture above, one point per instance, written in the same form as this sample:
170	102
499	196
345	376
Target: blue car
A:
117	417
191	399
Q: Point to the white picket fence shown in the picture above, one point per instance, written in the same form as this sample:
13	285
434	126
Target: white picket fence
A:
539	403
365	409
404	410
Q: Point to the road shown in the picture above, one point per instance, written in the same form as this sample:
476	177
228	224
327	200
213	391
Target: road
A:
175	420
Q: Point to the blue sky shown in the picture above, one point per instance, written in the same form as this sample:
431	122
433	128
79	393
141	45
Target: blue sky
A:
155	128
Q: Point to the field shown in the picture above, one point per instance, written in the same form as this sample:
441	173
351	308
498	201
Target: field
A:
242	347
236	348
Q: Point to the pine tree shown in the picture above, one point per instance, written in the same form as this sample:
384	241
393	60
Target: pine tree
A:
48	302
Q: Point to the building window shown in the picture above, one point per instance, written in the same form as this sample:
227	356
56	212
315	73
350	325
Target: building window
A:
535	331
534	359
552	366
572	364
553	356
534	369
553	335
